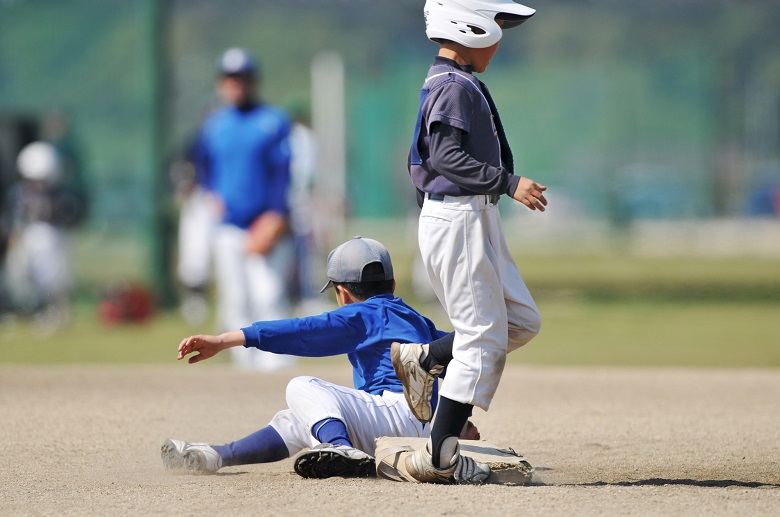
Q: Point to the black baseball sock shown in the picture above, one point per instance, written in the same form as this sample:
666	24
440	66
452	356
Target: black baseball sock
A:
439	352
451	416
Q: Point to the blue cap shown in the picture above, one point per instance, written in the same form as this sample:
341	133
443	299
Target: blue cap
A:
237	61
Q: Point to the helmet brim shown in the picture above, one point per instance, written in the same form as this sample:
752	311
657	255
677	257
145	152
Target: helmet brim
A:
512	20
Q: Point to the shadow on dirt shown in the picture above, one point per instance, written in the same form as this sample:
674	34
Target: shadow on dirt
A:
712	483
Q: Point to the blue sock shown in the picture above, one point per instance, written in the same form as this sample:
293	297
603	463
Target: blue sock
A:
262	446
331	430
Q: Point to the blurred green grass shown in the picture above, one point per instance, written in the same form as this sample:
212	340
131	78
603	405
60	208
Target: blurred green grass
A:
656	333
616	310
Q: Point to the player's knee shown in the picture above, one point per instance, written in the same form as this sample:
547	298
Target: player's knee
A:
520	335
297	387
534	325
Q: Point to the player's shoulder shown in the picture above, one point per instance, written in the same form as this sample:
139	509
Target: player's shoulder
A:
272	116
217	117
452	88
381	303
443	76
404	309
269	110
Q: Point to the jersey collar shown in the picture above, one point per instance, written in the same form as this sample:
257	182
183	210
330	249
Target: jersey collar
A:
451	62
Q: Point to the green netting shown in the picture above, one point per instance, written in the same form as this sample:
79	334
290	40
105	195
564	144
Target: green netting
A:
627	110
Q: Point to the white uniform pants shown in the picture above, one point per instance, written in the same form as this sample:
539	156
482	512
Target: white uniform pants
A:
366	416
38	269
251	287
478	284
196	223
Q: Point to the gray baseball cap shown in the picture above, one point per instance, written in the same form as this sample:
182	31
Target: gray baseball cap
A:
346	262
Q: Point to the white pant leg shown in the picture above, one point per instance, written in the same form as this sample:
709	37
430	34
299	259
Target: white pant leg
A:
196	224
231	278
18	278
250	288
366	416
269	299
476	280
49	252
232	285
38	266
294	433
524	320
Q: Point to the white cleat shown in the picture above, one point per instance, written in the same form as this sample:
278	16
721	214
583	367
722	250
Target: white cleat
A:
461	471
417	382
193	458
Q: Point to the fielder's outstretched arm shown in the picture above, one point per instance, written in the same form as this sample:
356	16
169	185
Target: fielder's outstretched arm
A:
208	346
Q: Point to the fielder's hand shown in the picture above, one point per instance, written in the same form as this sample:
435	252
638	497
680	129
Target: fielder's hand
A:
205	346
265	231
531	194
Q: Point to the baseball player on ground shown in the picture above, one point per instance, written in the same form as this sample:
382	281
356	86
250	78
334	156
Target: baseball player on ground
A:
339	424
460	163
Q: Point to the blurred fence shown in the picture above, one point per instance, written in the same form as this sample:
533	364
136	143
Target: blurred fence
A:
628	111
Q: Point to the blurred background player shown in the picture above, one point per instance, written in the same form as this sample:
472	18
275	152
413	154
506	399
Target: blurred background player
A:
39	213
242	154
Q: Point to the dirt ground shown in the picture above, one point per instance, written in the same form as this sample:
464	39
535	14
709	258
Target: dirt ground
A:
84	440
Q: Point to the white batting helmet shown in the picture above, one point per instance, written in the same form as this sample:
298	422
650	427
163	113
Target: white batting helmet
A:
472	23
39	161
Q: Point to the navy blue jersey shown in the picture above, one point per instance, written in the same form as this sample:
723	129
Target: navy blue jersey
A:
457	149
363	331
244	156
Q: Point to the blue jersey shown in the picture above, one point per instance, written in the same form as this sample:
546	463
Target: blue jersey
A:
363	331
244	156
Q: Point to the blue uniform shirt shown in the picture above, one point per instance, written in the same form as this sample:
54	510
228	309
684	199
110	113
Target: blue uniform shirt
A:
363	331
244	156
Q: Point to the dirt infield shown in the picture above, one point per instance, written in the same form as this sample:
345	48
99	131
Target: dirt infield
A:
85	440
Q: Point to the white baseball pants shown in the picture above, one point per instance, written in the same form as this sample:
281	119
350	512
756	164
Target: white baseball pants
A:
477	282
38	266
251	287
366	416
196	223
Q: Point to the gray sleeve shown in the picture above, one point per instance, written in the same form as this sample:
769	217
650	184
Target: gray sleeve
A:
450	160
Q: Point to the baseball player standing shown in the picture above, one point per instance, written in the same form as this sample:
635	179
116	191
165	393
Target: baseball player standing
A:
339	424
243	157
460	163
38	270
